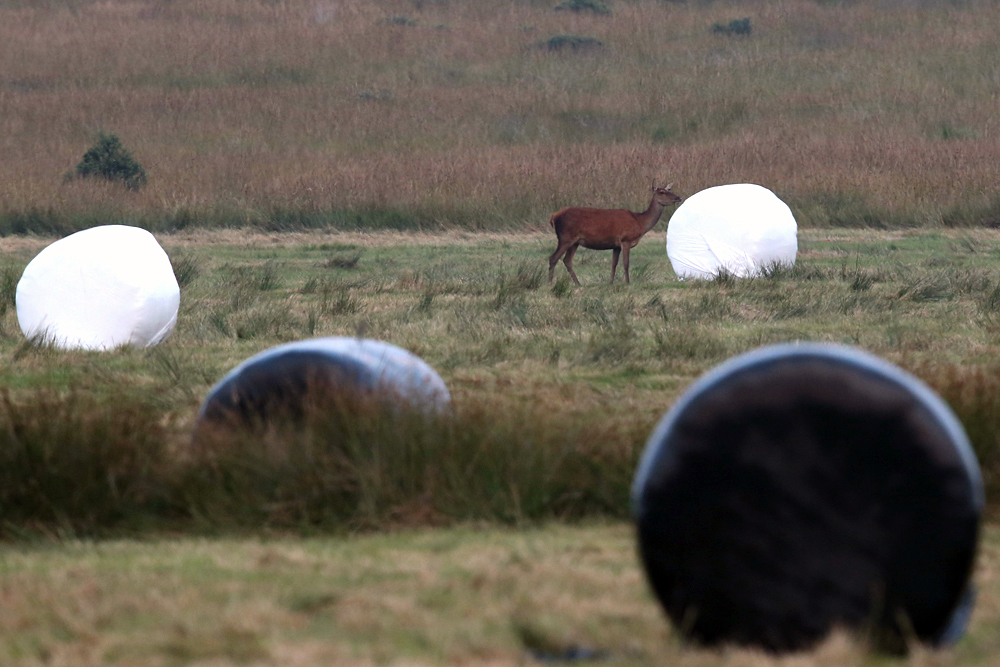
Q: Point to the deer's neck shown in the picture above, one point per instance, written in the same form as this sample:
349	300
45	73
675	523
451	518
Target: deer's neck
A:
648	218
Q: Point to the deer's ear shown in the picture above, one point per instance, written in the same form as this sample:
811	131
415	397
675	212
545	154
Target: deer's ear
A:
669	185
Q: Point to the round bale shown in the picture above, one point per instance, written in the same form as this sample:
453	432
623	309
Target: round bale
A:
801	488
99	289
743	229
280	382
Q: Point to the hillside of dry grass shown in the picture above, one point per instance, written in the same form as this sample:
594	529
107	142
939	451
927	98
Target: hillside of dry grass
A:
414	114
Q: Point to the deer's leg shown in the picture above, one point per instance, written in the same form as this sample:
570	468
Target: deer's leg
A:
625	251
614	262
568	261
554	259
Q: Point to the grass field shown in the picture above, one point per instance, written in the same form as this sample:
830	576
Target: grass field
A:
422	114
549	382
470	596
563	373
387	169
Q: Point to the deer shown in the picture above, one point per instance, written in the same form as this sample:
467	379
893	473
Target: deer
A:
618	230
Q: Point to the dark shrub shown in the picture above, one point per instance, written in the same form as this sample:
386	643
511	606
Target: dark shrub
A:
110	160
577	6
734	27
574	43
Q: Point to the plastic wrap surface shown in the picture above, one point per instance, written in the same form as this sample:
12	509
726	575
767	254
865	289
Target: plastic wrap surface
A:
279	375
743	228
98	289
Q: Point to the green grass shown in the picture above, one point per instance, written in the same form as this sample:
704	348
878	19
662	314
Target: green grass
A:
555	387
462	596
551	383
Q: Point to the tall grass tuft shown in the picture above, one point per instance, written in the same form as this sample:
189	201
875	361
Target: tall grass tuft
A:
103	463
973	392
9	277
78	464
254	277
186	269
349	463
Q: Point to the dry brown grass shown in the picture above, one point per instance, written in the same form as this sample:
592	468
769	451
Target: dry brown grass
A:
240	110
460	597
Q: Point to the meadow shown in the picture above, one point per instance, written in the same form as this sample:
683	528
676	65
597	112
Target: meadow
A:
387	169
423	114
520	498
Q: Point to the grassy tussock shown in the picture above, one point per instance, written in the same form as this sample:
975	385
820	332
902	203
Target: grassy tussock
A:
973	392
79	466
362	115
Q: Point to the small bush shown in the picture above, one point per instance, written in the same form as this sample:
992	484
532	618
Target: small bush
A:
219	319
614	340
862	279
41	342
734	27
927	288
574	43
110	160
711	306
577	6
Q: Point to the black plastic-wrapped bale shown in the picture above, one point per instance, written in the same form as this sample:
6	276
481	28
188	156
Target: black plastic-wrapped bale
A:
802	488
280	382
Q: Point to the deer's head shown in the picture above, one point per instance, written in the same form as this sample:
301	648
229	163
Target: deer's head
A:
664	196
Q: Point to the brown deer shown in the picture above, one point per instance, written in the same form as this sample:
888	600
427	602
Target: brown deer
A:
605	229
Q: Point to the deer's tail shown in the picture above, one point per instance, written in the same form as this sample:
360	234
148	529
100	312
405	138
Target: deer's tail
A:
552	220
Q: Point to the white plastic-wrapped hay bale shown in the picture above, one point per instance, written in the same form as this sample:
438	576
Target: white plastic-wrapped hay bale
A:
98	289
277	383
740	228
